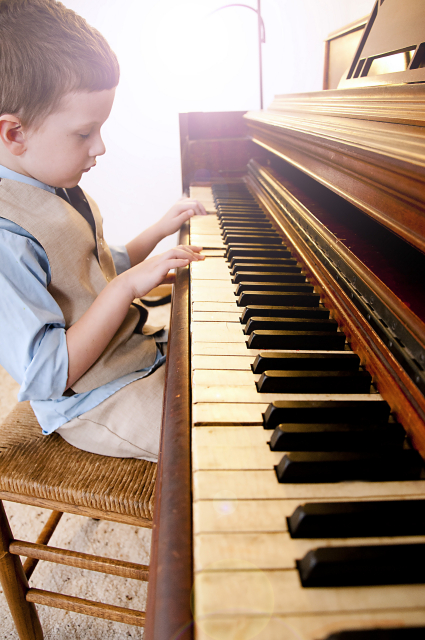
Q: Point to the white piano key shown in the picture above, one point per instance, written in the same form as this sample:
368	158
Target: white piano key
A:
263	485
217	332
207	241
271	550
216	316
222	394
202	224
242	458
199	285
224	435
205	196
210	230
233	448
224	349
214	413
228	307
204	377
226	363
224	514
257	592
239	349
210	265
311	627
206	276
212	253
217	294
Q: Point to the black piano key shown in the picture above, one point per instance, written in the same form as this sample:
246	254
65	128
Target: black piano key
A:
337	437
225	215
236	229
235	207
245	225
329	466
273	286
254	228
230	235
326	411
252	218
290	324
314	382
268	276
243	260
272	239
304	340
268	311
269	268
363	566
305	361
395	633
251	252
358	519
256	240
278	298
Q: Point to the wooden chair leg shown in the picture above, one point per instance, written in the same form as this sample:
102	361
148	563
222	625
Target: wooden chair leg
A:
15	586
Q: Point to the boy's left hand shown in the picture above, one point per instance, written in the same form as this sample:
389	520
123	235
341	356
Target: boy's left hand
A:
179	213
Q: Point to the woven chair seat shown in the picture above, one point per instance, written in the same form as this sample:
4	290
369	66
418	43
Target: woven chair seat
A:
48	468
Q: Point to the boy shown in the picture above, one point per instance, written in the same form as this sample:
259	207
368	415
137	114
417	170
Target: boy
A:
72	331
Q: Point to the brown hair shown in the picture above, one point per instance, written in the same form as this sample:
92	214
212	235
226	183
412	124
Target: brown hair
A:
47	51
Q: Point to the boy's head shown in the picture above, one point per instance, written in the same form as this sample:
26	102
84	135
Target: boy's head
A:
51	63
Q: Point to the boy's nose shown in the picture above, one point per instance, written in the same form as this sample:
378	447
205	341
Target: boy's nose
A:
98	148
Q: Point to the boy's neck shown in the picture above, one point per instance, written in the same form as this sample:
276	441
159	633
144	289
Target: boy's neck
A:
10	174
11	162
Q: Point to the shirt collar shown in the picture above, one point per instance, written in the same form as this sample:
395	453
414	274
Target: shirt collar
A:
18	177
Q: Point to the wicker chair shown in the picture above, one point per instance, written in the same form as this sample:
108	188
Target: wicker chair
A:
47	472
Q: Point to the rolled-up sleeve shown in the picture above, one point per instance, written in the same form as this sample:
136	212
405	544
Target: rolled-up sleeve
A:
121	259
32	328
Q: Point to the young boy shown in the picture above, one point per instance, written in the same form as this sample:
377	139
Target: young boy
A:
72	331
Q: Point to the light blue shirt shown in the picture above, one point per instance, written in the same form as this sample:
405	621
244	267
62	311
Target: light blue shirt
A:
32	327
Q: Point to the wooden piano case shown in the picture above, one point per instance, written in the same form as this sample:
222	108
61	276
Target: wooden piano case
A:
332	169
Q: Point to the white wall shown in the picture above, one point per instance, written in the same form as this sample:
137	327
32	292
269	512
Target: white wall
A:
177	56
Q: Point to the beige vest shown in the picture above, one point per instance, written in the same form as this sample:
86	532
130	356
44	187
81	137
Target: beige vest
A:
77	277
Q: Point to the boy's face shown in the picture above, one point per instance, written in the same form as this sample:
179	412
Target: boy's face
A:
68	141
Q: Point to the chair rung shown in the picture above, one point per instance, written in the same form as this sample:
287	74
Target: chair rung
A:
44	537
87	607
80	560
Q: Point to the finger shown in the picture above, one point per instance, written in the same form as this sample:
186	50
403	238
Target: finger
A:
170	278
197	207
190	247
182	252
194	248
177	262
201	211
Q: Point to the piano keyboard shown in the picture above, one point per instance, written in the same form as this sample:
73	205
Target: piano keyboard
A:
305	390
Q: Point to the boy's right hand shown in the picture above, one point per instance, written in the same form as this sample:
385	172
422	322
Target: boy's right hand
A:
147	275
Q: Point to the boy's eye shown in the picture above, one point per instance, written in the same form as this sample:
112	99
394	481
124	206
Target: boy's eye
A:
84	136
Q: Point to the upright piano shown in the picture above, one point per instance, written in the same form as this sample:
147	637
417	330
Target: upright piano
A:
291	487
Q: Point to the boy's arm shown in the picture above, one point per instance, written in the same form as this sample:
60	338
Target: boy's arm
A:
90	335
139	248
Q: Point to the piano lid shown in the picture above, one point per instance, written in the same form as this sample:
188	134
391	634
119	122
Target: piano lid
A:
392	48
366	144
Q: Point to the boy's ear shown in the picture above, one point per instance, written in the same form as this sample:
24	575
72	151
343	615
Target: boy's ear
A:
11	134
